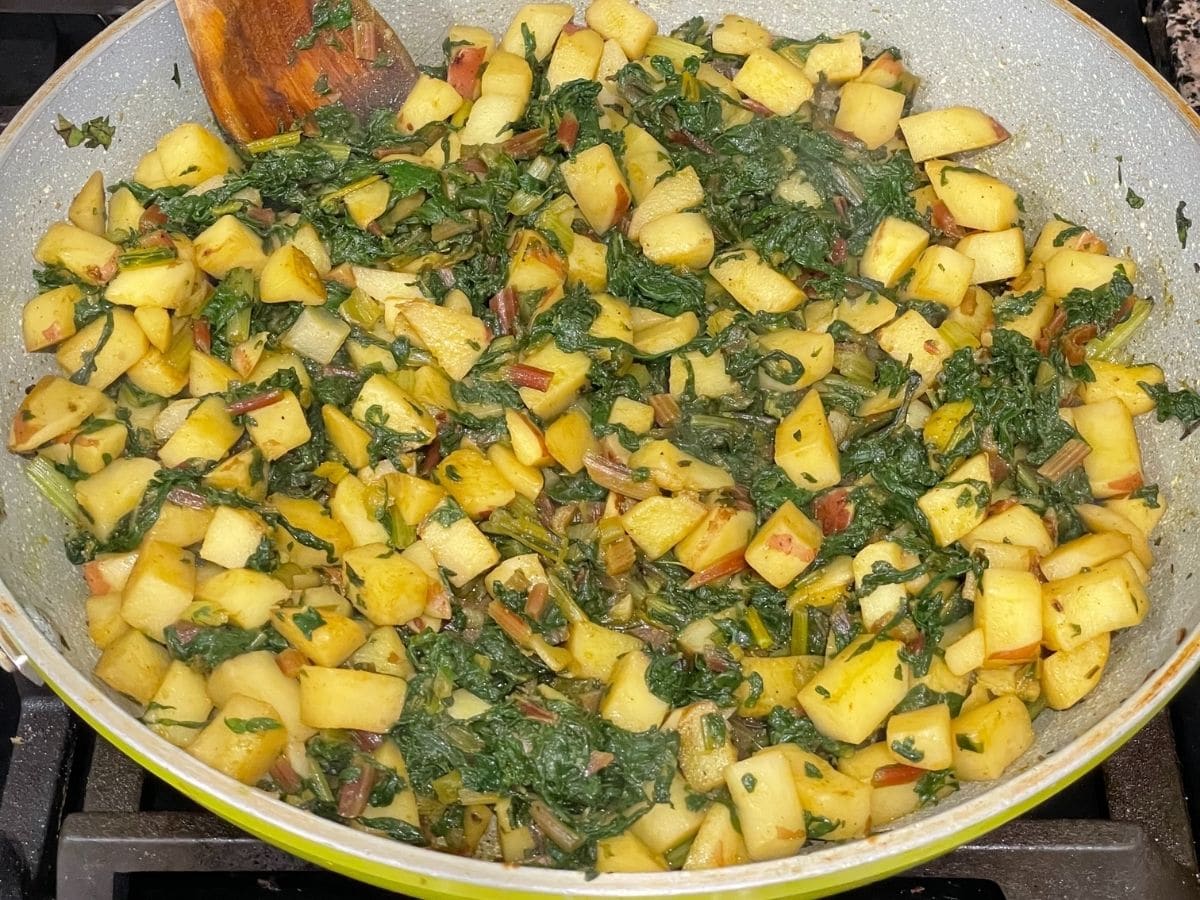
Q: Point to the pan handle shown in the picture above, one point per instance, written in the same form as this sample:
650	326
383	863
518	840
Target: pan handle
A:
13	659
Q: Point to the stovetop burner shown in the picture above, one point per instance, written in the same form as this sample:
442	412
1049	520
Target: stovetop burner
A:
79	821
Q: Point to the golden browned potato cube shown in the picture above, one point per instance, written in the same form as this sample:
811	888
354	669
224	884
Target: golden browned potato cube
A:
243	740
345	698
133	665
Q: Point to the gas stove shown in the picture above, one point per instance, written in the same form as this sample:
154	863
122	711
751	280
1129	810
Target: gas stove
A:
79	821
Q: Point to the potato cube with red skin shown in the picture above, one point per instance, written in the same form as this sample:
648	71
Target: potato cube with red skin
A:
50	317
1008	608
724	530
975	199
598	186
953	129
784	545
53	407
90	257
1114	466
528	441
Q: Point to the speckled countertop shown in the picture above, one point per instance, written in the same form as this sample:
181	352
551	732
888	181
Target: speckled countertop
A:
1175	29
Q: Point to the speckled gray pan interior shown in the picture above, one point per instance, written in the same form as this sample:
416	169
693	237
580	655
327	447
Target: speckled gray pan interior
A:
1073	101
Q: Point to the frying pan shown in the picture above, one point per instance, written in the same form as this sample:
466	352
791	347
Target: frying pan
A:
1074	98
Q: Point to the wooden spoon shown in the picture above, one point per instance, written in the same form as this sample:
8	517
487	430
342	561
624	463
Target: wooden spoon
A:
259	82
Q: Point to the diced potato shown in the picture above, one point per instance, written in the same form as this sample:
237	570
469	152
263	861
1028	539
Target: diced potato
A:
912	340
998	255
991	737
455	339
629	702
1077	609
738	36
190	154
383	403
208	375
625	852
160	587
825	585
430	100
87	210
133	665
587	264
838	61
769	79
180	706
825	793
1067	270
636	416
674	470
1115	464
50	317
888	801
544	21
967	653
279	427
317	334
229	244
667	825
657	524
1008	609
671	333
114	492
570	374
1084	553
311	516
941	275
384	652
474	482
723	531
958	505
352	506
621	21
52	408
881	604
679	239
165	285
345	698
892	250
89	257
784	546
208	433
1113	380
764	794
779	678
851	697
705	375
717	843
325	637
457	544
812	350
414	497
595	649
954	129
921	737
598	186
974	199
101	351
384	586
805	448
257	675
673	194
180	526
646	161
1070	675
568	439
232	537
1017	525
576	56
243	740
867	111
104	622
705	745
754	284
246	596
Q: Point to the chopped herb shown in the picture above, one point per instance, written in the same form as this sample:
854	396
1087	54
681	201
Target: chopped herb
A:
93	133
